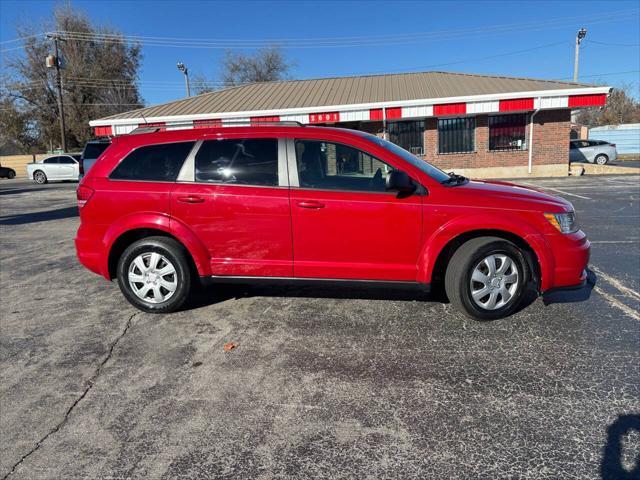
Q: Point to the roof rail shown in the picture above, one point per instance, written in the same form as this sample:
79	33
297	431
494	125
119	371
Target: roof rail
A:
213	123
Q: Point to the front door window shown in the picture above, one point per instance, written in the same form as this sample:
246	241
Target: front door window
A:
334	166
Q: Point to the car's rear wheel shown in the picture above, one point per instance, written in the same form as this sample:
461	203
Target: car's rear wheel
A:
40	177
154	274
602	159
11	174
486	278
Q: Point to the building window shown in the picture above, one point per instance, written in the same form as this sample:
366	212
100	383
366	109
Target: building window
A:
508	132
456	135
408	135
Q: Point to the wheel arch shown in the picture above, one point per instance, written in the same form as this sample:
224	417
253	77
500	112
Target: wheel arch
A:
436	262
121	235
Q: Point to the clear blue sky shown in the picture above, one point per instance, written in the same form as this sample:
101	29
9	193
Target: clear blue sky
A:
459	36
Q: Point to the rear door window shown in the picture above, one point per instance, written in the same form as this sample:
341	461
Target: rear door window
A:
238	161
52	160
160	163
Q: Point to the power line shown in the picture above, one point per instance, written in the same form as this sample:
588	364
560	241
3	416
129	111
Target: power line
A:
615	44
22	39
336	41
98	82
344	40
603	74
328	42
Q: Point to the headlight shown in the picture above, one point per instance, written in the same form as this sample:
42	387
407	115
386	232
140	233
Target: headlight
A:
564	222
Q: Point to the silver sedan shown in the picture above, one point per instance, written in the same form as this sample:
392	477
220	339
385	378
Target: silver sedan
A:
592	151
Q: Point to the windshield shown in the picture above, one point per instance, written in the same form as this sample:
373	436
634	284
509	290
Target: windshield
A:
94	150
434	172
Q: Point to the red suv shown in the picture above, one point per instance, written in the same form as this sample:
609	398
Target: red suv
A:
283	203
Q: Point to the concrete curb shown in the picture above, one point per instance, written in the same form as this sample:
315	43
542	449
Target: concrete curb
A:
593	169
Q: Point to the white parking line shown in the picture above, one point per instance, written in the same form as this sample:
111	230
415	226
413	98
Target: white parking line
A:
615	241
559	191
616	283
622	182
618	304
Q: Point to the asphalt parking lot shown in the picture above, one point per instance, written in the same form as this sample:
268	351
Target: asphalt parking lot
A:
322	384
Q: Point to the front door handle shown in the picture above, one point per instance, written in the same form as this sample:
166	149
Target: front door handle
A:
190	199
310	204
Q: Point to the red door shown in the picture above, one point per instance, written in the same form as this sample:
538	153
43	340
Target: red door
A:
345	225
237	207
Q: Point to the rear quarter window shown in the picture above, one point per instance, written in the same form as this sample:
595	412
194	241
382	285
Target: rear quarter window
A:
159	163
94	150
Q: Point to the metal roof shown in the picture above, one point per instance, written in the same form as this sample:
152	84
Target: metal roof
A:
346	91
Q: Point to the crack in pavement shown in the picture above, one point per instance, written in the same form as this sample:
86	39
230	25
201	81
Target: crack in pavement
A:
91	383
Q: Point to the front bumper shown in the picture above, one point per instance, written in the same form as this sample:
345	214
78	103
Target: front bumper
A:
571	254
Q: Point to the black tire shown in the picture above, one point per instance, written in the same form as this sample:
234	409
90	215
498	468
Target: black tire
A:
461	267
40	177
601	159
11	175
176	254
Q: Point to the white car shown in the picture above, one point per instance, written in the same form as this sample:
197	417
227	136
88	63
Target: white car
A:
57	167
592	151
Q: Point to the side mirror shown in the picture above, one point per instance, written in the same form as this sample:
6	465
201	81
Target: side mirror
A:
400	182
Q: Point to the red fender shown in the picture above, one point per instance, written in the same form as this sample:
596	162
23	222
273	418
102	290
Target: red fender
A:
163	223
468	223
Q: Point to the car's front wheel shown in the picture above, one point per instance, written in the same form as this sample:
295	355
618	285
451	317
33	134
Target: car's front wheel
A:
154	274
11	175
40	177
602	159
486	278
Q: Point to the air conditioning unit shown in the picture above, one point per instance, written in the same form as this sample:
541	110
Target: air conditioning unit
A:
417	150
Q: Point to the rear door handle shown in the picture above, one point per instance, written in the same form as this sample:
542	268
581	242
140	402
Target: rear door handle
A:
190	199
310	204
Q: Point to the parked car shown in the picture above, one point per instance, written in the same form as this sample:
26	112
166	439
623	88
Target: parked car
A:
6	172
592	151
56	167
270	204
92	150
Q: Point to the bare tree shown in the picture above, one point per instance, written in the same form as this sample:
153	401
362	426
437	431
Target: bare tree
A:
99	77
266	65
621	107
200	84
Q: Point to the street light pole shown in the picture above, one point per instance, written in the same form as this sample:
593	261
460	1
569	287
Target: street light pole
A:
185	70
581	34
63	137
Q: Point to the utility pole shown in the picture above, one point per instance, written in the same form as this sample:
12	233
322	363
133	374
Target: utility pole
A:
185	70
56	64
581	34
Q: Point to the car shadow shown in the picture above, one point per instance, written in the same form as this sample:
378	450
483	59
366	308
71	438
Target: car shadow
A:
35	217
611	466
216	293
581	294
16	191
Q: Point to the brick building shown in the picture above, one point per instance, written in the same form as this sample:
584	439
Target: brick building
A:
476	124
